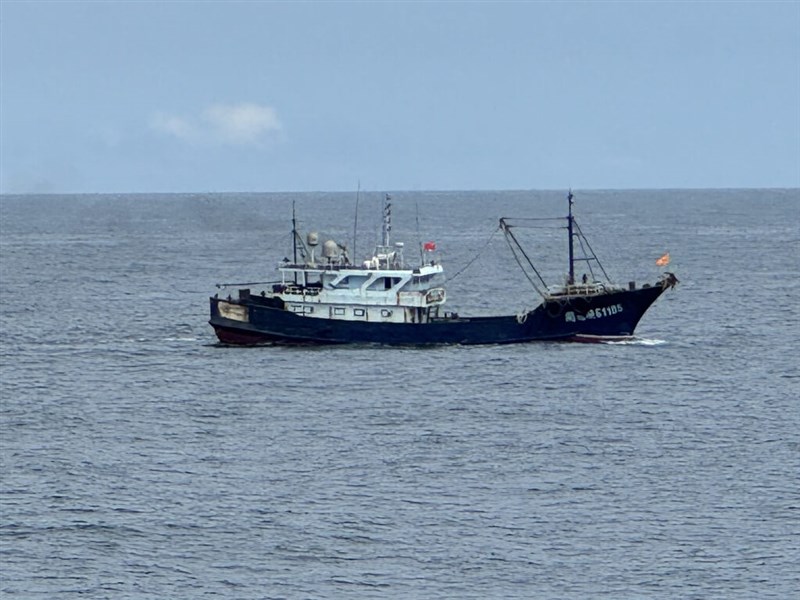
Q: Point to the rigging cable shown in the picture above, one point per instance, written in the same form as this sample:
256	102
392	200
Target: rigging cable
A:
474	258
594	254
510	237
522	267
586	257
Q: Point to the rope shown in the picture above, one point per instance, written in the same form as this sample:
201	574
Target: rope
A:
474	258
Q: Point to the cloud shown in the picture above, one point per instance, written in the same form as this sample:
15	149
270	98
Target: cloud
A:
234	124
242	123
175	126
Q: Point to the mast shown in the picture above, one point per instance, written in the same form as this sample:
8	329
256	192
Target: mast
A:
355	222
570	233
387	221
294	240
294	234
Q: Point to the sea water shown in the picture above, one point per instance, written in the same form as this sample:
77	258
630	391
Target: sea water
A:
140	459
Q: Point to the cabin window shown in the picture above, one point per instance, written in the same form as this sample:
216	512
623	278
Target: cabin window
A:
390	282
358	312
338	310
384	283
386	313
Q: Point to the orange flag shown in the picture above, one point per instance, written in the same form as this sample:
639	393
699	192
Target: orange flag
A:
663	261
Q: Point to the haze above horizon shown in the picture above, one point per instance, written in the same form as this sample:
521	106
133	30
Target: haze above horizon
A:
130	97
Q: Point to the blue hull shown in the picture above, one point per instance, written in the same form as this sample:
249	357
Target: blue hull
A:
609	315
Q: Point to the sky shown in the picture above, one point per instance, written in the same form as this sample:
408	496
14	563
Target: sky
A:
117	97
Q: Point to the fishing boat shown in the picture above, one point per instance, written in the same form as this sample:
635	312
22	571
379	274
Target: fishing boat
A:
324	298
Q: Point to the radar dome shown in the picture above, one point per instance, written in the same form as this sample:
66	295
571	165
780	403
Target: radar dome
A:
330	249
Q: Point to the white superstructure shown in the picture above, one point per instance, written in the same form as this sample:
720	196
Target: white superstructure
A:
381	289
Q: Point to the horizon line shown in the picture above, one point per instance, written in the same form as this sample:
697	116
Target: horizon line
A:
401	191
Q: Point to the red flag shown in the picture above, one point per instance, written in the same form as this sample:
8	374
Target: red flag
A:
429	246
663	261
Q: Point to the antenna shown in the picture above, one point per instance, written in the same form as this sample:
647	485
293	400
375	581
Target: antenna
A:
419	237
297	242
355	222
